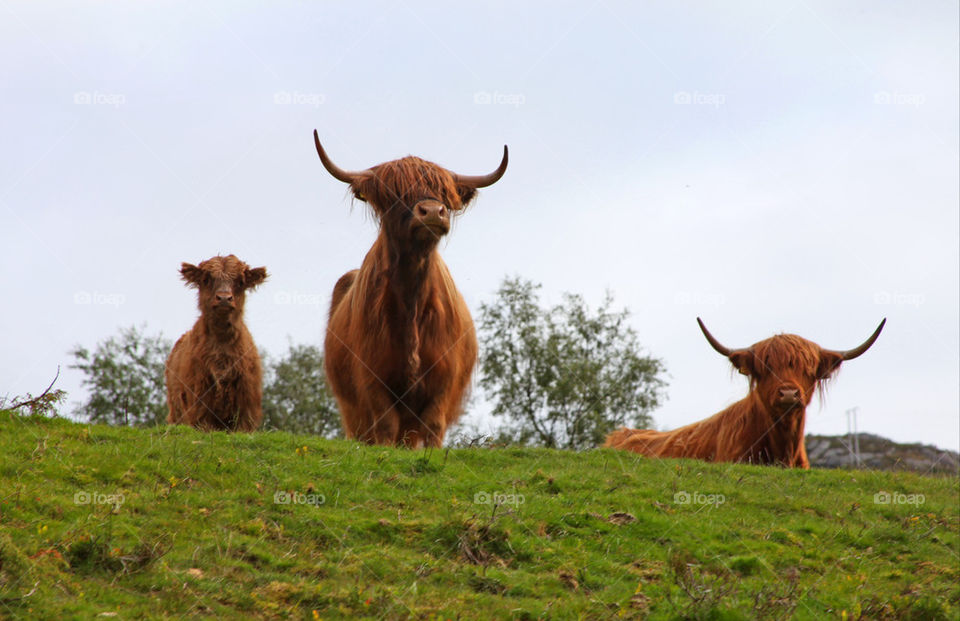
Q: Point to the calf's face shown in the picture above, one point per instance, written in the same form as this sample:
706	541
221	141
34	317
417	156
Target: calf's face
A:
222	283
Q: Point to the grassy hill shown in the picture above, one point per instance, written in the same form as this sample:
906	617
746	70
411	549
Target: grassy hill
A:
167	522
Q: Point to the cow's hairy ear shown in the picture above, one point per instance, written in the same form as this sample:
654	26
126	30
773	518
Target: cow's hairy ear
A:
829	363
253	277
466	194
191	274
363	187
742	359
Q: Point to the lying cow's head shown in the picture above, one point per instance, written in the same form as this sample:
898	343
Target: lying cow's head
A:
786	369
222	283
413	198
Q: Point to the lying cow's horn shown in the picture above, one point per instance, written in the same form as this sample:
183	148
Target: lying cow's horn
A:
850	354
482	181
725	351
333	169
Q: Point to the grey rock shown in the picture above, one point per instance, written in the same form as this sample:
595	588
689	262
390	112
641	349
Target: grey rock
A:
879	453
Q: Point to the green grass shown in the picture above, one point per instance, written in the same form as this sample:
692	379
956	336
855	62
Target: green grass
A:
395	533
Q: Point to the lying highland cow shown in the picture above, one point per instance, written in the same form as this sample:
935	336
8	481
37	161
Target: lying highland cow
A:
213	374
766	427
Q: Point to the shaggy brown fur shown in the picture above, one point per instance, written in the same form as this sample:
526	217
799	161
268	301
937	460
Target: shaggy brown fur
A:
400	344
766	427
214	380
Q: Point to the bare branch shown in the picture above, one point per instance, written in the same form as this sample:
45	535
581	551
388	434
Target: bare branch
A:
36	399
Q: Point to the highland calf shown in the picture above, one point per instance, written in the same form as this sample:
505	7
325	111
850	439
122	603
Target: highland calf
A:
214	380
766	427
400	344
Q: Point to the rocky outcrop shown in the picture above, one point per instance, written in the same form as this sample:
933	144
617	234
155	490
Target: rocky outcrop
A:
881	454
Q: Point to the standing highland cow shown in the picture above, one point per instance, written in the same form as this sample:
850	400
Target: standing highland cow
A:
767	426
400	343
214	380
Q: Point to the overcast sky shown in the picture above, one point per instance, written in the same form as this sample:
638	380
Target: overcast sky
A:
770	167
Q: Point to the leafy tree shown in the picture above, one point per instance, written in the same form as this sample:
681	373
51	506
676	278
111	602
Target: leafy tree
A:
295	395
125	377
563	377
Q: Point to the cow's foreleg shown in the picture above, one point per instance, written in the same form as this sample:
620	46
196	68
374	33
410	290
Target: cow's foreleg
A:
802	461
433	427
384	422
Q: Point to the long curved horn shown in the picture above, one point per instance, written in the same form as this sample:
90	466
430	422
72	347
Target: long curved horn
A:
850	354
338	173
482	181
724	351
